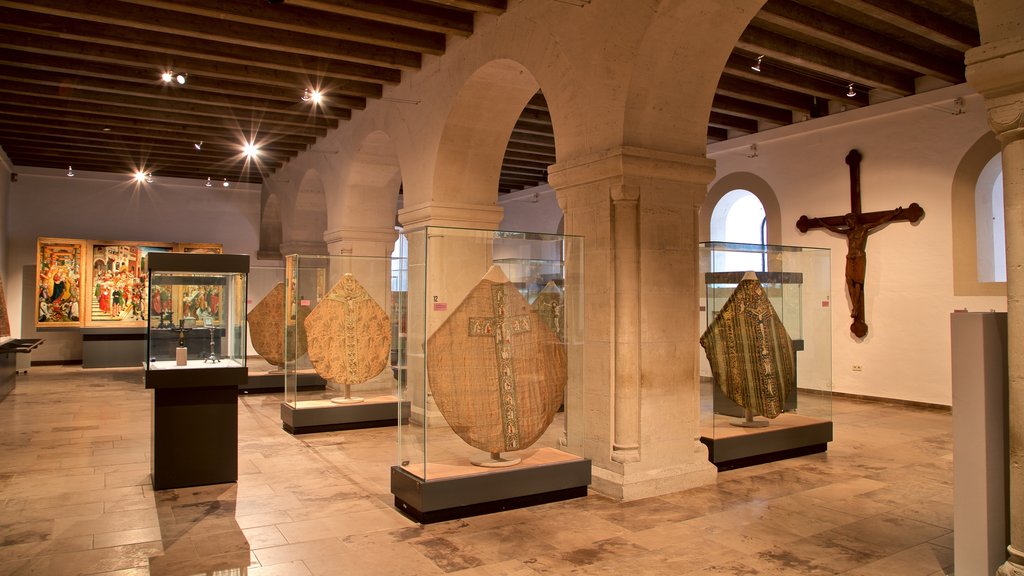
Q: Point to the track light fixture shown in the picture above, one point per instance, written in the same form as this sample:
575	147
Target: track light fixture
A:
851	92
757	67
71	173
226	183
250	149
169	76
141	177
198	145
209	182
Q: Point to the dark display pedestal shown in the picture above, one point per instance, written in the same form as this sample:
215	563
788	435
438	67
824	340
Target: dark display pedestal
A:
12	354
195	425
787	436
487	490
113	347
273	381
324	416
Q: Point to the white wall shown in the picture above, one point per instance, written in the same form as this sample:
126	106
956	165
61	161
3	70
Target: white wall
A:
911	149
97	206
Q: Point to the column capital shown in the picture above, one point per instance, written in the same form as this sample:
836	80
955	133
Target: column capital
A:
624	164
359	240
455	215
996	71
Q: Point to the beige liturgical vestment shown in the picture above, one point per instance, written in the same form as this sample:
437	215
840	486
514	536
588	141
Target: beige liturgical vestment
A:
496	371
348	335
267	329
550	305
750	352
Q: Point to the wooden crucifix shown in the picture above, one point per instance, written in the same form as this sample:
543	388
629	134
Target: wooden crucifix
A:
856	226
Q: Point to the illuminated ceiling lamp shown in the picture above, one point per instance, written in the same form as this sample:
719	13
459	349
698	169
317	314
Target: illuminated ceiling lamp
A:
250	150
312	95
209	182
226	183
71	173
850	91
141	176
757	67
169	76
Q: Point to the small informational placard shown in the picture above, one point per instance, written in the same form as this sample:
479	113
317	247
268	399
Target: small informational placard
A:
304	302
440	306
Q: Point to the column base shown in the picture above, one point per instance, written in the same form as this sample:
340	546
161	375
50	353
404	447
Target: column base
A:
633	485
1014	566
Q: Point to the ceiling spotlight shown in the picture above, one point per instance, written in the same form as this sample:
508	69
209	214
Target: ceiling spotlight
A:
167	76
199	145
757	67
140	176
209	182
226	183
851	92
71	173
315	95
181	78
250	149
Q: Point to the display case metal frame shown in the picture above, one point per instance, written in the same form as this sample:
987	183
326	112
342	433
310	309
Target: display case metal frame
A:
797	281
435	478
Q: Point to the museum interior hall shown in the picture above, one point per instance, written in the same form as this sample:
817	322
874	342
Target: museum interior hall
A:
512	287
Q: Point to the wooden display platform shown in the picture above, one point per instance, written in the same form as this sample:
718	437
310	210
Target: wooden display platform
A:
457	489
788	436
307	416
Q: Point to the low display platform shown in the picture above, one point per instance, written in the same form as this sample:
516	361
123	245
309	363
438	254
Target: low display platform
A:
113	347
307	416
459	489
267	381
788	436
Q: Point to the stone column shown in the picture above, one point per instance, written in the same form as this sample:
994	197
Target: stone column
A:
996	70
638	211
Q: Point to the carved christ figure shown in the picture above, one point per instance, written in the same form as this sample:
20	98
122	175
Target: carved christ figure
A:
856	231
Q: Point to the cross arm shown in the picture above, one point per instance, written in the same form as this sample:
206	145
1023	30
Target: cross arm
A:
911	213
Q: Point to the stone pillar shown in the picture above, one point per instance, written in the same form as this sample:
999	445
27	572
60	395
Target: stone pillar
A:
996	70
638	212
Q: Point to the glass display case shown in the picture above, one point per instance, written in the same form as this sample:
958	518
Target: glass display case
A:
749	412
195	364
197	304
339	327
492	372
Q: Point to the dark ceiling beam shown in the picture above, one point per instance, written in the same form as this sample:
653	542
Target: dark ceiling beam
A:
729	121
305	22
792	17
160	111
36	45
786	78
759	93
525	127
216	30
918	20
71	75
816	60
752	110
536	116
400	12
531	138
174	45
494	7
127	128
532	148
171	103
716	134
539	159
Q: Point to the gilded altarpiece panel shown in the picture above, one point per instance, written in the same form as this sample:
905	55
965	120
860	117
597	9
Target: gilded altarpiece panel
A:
59	282
118	283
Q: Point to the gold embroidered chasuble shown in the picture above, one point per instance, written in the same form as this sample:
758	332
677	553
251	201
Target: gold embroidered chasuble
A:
750	352
348	334
496	371
267	328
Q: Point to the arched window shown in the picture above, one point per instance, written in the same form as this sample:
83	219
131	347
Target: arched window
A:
990	227
740	217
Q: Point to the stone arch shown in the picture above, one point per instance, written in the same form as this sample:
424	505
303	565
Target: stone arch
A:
756	186
305	217
666	110
476	132
964	227
271	231
363	214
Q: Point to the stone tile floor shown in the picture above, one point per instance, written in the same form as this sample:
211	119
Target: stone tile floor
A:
75	498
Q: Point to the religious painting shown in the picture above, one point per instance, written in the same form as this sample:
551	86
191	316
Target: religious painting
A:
199	302
118	282
5	322
58	297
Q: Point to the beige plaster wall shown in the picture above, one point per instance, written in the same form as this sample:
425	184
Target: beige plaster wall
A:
912	150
